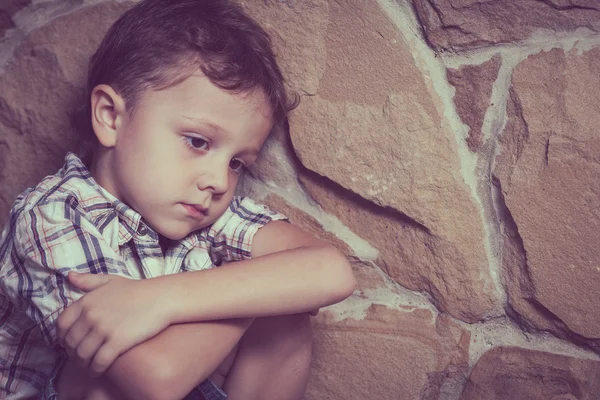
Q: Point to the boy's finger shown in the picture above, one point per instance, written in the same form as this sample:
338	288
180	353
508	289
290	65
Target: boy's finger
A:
103	359
65	320
76	334
89	347
88	282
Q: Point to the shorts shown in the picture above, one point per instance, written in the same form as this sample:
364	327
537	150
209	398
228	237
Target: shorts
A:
207	390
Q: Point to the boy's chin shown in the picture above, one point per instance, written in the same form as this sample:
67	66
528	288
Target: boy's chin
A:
171	231
176	235
179	232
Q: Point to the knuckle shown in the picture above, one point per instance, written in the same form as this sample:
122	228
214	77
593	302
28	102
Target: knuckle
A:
70	341
89	316
103	360
61	324
81	353
98	367
108	355
102	331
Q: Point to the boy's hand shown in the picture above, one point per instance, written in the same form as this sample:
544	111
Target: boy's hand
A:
115	315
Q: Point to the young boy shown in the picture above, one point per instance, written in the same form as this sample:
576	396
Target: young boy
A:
183	94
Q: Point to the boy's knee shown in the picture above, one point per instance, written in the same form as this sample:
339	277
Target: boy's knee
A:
298	325
291	338
220	374
286	332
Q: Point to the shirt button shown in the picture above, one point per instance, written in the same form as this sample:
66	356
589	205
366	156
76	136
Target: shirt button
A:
142	230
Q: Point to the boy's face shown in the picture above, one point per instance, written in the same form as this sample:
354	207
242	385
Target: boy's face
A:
178	158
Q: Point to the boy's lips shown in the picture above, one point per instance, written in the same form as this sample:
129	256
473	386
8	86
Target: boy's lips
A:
195	210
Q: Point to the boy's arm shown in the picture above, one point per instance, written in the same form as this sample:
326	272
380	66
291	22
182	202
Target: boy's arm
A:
292	272
50	240
301	278
174	362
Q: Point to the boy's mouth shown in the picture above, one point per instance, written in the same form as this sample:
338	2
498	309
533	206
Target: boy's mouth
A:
195	210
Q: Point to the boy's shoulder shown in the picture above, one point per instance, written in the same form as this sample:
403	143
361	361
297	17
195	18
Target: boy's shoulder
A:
72	188
231	236
244	213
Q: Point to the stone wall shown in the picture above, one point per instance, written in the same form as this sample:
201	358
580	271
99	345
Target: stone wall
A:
449	147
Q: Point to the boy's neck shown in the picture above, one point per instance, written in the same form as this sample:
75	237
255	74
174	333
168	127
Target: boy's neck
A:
100	167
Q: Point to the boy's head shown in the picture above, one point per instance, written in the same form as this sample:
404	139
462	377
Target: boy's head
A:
158	43
183	94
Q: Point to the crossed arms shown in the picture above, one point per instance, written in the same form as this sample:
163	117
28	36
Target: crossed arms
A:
172	332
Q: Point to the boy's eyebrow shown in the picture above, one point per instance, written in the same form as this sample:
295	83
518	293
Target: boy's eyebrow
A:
208	124
250	152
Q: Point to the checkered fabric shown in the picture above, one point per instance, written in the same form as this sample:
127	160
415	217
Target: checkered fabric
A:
69	223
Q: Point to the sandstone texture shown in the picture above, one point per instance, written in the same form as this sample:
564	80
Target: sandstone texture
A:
368	123
504	226
473	84
510	373
413	355
305	222
368	276
39	86
549	172
468	24
8	8
407	252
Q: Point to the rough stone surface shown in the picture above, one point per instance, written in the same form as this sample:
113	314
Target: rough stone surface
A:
373	150
473	85
298	31
520	290
510	373
277	162
8	8
305	222
391	354
371	125
368	276
467	24
38	89
409	253
549	172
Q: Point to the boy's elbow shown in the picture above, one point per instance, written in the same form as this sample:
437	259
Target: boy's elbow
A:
343	282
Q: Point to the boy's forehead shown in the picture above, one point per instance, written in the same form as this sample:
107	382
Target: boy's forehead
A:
196	104
197	89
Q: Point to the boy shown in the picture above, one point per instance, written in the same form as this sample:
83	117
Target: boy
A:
183	94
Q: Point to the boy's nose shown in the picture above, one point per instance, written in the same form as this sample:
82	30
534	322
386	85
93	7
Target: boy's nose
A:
216	180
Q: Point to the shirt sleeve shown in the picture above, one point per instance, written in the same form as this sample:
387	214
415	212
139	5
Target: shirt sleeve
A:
50	241
231	236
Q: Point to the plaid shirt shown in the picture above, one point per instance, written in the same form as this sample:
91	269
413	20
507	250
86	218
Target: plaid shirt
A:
69	223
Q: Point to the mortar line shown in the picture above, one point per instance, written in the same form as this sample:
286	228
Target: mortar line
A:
402	15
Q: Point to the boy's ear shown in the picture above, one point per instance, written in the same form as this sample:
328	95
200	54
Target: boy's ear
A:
108	114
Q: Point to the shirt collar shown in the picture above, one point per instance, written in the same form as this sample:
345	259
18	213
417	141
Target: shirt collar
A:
130	221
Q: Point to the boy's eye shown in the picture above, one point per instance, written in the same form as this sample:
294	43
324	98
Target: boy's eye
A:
196	143
236	165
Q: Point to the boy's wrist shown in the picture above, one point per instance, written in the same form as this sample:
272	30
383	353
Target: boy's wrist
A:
165	302
177	299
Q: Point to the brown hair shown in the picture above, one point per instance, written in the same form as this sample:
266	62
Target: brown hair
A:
159	43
